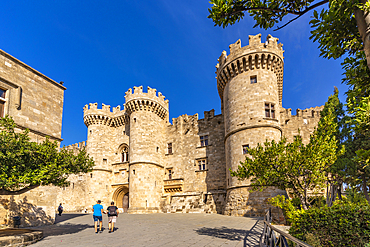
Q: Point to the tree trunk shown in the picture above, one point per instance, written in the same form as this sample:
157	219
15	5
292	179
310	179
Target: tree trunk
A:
302	198
327	194
363	24
18	192
340	191
364	188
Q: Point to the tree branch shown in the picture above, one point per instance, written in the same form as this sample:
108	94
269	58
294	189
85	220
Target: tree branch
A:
286	24
300	13
18	192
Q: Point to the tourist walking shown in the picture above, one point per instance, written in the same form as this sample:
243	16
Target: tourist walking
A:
98	216
112	216
60	210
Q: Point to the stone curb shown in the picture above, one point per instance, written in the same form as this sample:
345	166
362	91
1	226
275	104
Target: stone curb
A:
26	238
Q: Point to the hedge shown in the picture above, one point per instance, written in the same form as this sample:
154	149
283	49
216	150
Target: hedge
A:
343	224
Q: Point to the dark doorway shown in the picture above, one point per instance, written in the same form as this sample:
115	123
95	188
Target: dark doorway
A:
125	202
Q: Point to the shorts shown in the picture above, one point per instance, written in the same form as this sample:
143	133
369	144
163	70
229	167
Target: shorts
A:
98	218
112	219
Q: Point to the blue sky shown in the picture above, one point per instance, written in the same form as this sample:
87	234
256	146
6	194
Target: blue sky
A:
100	49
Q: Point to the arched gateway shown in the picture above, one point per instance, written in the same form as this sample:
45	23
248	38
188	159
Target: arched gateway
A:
120	197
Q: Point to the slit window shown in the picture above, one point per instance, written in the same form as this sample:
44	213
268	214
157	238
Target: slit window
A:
269	110
245	148
2	102
169	171
253	79
169	148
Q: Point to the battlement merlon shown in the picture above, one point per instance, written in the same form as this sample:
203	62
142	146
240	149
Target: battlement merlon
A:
185	119
256	55
104	116
92	109
76	146
255	46
312	112
138	94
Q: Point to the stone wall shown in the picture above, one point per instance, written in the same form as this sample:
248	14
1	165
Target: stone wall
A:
303	123
36	207
35	102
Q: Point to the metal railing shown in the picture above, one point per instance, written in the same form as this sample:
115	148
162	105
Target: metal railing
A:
274	237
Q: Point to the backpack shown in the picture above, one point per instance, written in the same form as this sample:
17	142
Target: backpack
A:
112	210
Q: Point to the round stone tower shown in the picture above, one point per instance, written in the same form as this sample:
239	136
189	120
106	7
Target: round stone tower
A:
148	117
249	82
98	146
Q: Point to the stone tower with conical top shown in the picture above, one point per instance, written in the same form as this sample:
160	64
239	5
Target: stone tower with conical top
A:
148	113
249	82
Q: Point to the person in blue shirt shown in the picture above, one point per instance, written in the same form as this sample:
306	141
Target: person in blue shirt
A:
98	216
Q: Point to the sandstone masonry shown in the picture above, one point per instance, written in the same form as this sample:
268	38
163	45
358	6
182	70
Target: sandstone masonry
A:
148	165
35	102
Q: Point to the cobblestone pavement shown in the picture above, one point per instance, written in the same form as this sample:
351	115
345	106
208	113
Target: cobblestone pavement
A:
154	230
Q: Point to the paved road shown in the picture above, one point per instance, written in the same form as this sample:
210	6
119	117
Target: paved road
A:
154	230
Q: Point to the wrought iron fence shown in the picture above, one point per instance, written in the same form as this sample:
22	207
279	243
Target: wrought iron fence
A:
274	237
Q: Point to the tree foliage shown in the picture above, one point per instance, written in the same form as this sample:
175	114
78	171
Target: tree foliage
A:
265	13
26	165
340	28
294	166
344	224
358	170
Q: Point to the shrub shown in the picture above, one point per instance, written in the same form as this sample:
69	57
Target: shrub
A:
290	207
343	224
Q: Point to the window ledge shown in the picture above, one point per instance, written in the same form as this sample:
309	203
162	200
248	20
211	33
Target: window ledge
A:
120	163
169	154
204	146
269	118
202	170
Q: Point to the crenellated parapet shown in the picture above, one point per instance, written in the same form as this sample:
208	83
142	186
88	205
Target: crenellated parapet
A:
76	146
104	116
185	120
256	55
138	100
312	112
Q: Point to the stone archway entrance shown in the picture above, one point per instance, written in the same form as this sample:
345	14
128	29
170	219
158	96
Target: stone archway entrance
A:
125	202
119	198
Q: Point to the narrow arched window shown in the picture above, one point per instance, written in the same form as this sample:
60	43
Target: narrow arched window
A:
124	154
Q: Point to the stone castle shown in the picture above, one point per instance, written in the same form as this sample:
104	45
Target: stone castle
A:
148	165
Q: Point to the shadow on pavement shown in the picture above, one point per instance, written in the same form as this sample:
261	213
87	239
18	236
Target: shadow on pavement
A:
223	232
66	216
252	238
63	229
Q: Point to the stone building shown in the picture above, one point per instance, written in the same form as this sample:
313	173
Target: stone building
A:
148	165
35	102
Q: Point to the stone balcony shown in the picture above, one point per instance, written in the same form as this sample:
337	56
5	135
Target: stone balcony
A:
173	185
